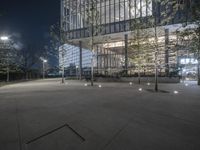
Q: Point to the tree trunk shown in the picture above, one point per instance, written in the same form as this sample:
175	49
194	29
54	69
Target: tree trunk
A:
198	65
198	72
139	75
156	78
92	65
26	74
92	61
92	71
63	68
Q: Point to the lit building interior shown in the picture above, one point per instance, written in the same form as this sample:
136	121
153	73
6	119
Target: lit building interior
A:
120	48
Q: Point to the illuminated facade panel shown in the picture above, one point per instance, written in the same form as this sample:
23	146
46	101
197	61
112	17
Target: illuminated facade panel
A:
111	14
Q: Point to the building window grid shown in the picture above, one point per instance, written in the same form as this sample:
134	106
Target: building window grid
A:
111	14
71	57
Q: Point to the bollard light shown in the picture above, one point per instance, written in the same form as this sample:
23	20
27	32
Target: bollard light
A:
176	92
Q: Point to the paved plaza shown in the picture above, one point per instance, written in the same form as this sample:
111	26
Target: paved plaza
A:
48	115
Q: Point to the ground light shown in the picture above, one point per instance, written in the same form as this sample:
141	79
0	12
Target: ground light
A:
148	83
100	86
186	84
140	89
85	84
176	92
130	83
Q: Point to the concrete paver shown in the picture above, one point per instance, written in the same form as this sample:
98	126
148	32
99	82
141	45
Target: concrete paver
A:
116	116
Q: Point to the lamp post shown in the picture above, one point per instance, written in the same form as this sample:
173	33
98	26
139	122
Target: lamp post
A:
43	67
4	39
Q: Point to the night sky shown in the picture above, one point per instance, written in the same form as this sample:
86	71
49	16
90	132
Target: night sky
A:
29	20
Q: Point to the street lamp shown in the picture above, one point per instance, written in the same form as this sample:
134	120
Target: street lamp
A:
4	39
43	67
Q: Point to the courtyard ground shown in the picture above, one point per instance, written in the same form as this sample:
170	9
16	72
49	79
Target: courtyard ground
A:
48	115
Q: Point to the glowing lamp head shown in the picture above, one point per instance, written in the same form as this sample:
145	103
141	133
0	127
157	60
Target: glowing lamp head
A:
44	60
4	38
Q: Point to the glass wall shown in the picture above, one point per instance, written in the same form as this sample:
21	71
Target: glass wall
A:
72	56
76	13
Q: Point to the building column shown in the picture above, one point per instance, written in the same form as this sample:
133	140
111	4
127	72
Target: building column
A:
126	54
167	52
80	60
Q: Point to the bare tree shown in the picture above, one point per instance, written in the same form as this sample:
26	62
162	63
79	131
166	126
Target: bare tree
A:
8	57
29	57
138	45
94	30
191	17
58	40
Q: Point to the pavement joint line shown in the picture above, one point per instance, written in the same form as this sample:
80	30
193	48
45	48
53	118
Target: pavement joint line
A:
18	126
54	130
81	137
115	135
170	116
178	118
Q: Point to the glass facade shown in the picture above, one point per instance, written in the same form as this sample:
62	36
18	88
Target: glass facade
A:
112	15
71	59
116	19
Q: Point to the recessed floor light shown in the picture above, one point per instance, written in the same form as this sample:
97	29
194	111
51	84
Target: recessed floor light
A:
176	92
140	89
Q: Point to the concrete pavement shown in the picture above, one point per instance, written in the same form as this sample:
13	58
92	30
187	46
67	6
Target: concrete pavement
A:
47	115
